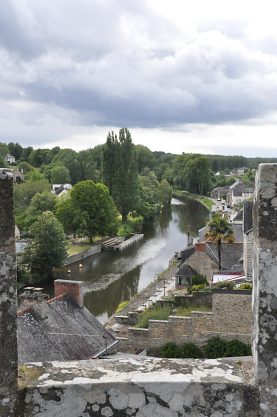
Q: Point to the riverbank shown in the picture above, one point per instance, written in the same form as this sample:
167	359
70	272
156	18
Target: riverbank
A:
204	200
162	284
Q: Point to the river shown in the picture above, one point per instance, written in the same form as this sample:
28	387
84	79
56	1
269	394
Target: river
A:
113	277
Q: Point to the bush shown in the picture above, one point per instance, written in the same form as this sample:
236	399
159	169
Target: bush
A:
237	348
218	348
199	287
122	305
245	286
153	313
133	225
190	350
199	279
225	285
215	348
169	350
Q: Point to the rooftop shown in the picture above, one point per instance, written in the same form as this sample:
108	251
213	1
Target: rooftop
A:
69	332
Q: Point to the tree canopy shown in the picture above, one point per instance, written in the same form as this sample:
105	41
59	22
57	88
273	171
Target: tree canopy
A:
219	231
120	171
47	248
90	208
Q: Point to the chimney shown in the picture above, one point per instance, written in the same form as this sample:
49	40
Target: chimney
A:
74	289
200	247
34	298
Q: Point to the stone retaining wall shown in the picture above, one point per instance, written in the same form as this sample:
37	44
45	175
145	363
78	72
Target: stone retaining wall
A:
231	318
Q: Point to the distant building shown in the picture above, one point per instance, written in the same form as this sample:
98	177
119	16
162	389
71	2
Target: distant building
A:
203	258
9	159
219	193
61	189
239	192
61	328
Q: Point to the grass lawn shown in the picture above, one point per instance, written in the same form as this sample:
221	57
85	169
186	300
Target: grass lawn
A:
73	249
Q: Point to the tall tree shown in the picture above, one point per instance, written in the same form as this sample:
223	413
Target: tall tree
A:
95	209
219	231
47	249
120	171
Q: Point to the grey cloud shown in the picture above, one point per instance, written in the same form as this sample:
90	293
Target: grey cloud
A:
117	63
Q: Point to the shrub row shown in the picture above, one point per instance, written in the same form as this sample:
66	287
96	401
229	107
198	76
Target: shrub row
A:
214	348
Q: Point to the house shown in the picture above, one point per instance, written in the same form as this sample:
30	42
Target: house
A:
219	193
61	189
203	258
60	328
9	159
184	275
239	192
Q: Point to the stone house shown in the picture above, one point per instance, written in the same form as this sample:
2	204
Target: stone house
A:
239	192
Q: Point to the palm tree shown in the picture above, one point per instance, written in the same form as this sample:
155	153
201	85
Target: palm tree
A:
219	231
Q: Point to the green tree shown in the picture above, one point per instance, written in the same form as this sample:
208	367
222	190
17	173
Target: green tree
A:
56	173
68	215
149	195
24	192
2	162
70	160
40	202
95	209
165	193
192	172
25	167
16	150
47	249
120	171
3	149
145	158
219	231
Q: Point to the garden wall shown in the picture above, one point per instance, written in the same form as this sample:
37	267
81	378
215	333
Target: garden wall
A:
231	318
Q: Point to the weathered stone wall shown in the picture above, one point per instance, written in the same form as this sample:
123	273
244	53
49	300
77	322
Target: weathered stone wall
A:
248	242
8	341
143	388
231	318
232	313
265	287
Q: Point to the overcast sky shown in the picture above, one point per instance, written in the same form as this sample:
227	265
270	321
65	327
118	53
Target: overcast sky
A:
183	76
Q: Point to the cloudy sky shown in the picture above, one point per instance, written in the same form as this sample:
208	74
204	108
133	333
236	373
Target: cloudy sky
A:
183	76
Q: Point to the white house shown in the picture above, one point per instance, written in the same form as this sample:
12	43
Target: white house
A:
9	159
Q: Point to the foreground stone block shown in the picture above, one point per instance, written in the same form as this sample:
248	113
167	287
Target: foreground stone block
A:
8	304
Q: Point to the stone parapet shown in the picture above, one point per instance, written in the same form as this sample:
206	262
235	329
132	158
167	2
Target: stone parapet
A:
142	387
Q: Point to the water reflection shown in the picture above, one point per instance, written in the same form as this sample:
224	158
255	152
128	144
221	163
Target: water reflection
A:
115	277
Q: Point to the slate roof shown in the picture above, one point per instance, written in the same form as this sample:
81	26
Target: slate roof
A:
231	254
68	333
238	216
186	253
186	271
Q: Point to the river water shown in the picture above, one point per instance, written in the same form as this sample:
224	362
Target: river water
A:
113	277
